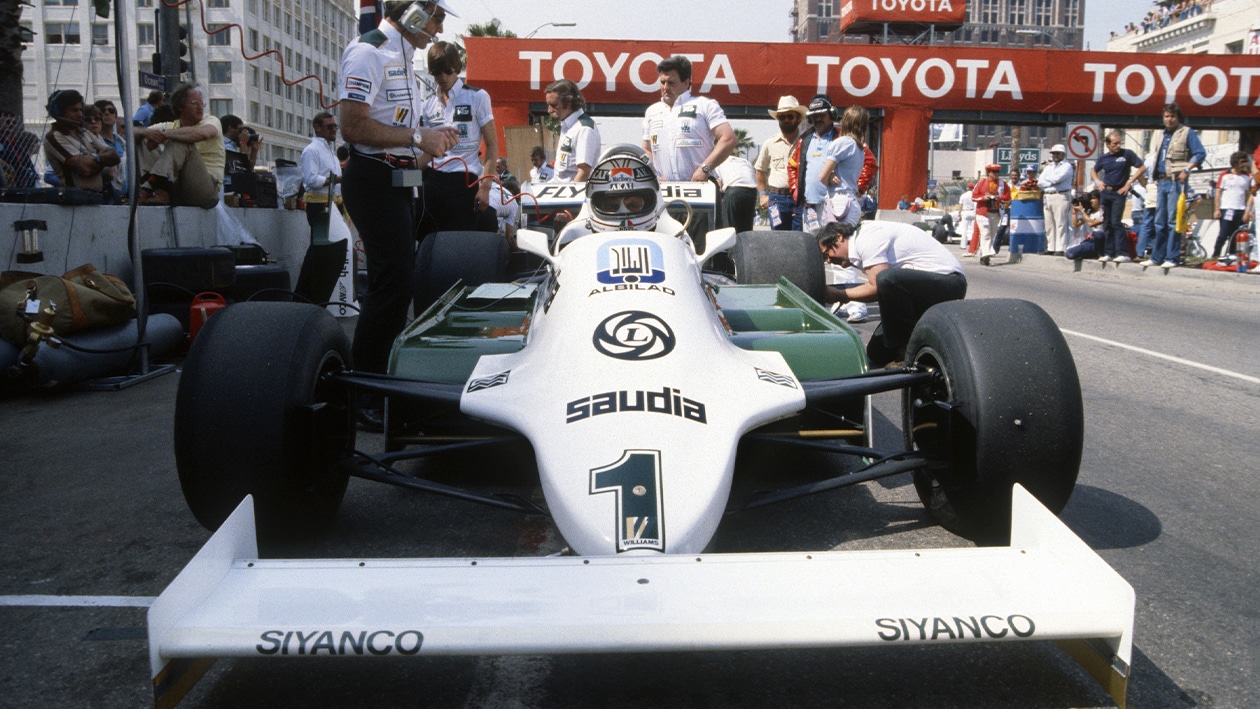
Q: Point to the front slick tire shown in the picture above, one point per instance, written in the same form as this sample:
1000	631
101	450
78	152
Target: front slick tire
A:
253	417
1014	413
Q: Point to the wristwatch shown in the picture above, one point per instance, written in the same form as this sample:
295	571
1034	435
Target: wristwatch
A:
705	169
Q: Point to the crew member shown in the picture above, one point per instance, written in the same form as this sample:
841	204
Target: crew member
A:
380	119
579	138
321	182
687	136
907	272
453	196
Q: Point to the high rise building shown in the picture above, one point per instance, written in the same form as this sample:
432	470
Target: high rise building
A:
74	49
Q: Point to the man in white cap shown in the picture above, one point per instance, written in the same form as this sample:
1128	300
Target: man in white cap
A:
773	191
1056	184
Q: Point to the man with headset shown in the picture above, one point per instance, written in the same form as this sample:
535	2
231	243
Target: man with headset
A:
76	155
380	119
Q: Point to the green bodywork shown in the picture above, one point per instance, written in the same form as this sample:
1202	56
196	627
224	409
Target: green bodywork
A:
443	345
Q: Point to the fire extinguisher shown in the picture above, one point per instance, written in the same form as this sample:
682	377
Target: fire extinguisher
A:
203	306
1244	252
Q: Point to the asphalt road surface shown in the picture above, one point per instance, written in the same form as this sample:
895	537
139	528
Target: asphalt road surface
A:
93	526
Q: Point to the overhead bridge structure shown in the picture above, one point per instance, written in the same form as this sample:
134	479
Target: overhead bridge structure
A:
906	88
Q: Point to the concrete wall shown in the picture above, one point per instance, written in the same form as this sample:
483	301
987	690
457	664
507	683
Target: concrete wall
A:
97	234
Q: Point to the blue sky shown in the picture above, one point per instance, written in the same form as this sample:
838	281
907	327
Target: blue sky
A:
734	20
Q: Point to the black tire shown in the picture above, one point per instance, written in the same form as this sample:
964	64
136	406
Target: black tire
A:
248	419
764	256
447	257
1017	413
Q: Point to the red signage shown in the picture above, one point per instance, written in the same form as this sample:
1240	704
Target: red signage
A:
865	15
877	76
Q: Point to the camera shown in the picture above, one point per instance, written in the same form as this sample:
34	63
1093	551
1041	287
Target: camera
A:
252	135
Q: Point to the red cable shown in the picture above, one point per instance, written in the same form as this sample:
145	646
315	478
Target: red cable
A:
241	34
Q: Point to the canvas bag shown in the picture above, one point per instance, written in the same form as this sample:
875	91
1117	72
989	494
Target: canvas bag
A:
85	299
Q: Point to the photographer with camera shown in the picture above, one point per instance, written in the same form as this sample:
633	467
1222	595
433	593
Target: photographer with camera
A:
240	138
1087	237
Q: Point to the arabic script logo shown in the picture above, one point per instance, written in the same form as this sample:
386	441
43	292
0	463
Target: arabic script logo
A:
634	335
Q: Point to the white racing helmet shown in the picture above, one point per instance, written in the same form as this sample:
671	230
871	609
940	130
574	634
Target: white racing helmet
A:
623	192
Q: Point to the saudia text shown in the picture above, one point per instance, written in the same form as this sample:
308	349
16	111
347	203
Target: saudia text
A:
666	401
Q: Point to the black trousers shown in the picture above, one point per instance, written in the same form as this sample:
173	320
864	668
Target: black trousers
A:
383	215
1117	242
448	203
739	208
322	265
904	296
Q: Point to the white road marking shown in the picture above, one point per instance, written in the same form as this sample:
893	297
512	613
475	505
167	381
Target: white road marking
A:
1170	358
79	601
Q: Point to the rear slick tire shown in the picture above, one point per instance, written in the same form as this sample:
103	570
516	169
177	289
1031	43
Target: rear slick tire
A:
765	256
254	416
1012	414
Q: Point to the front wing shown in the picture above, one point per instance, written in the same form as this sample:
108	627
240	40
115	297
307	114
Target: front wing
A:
1047	585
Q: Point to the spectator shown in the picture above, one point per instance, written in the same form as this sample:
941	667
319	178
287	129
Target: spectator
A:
579	138
1113	175
1055	182
16	147
189	168
453	193
774	191
1179	152
907	272
966	218
75	155
1146	232
815	154
842	165
506	178
1233	201
144	114
992	195
687	136
117	141
541	171
1137	212
738	182
904	203
92	123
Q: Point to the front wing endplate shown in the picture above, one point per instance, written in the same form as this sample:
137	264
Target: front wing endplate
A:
1048	585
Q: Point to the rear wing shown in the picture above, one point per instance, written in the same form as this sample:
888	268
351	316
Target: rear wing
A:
1047	585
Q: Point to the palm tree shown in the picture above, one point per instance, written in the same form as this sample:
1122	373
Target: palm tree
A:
744	144
493	28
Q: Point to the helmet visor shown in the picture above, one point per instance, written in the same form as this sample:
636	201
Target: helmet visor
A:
624	204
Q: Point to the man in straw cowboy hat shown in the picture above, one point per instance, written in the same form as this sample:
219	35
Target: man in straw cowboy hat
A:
773	191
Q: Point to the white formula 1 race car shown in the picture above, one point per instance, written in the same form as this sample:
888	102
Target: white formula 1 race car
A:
649	391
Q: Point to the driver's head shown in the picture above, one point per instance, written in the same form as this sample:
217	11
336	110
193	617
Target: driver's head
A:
623	192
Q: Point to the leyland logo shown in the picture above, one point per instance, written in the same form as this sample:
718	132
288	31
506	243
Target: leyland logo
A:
634	335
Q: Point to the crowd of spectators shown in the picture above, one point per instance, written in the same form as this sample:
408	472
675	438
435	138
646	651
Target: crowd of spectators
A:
1167	13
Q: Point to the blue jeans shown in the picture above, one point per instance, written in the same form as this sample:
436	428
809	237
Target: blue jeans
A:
1144	225
787	211
1166	247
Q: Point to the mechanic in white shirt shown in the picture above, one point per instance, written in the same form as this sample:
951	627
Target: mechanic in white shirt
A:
907	272
687	136
738	182
453	195
1055	183
579	145
541	171
380	120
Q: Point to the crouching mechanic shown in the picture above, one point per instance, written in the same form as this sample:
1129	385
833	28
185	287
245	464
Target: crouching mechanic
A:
907	272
